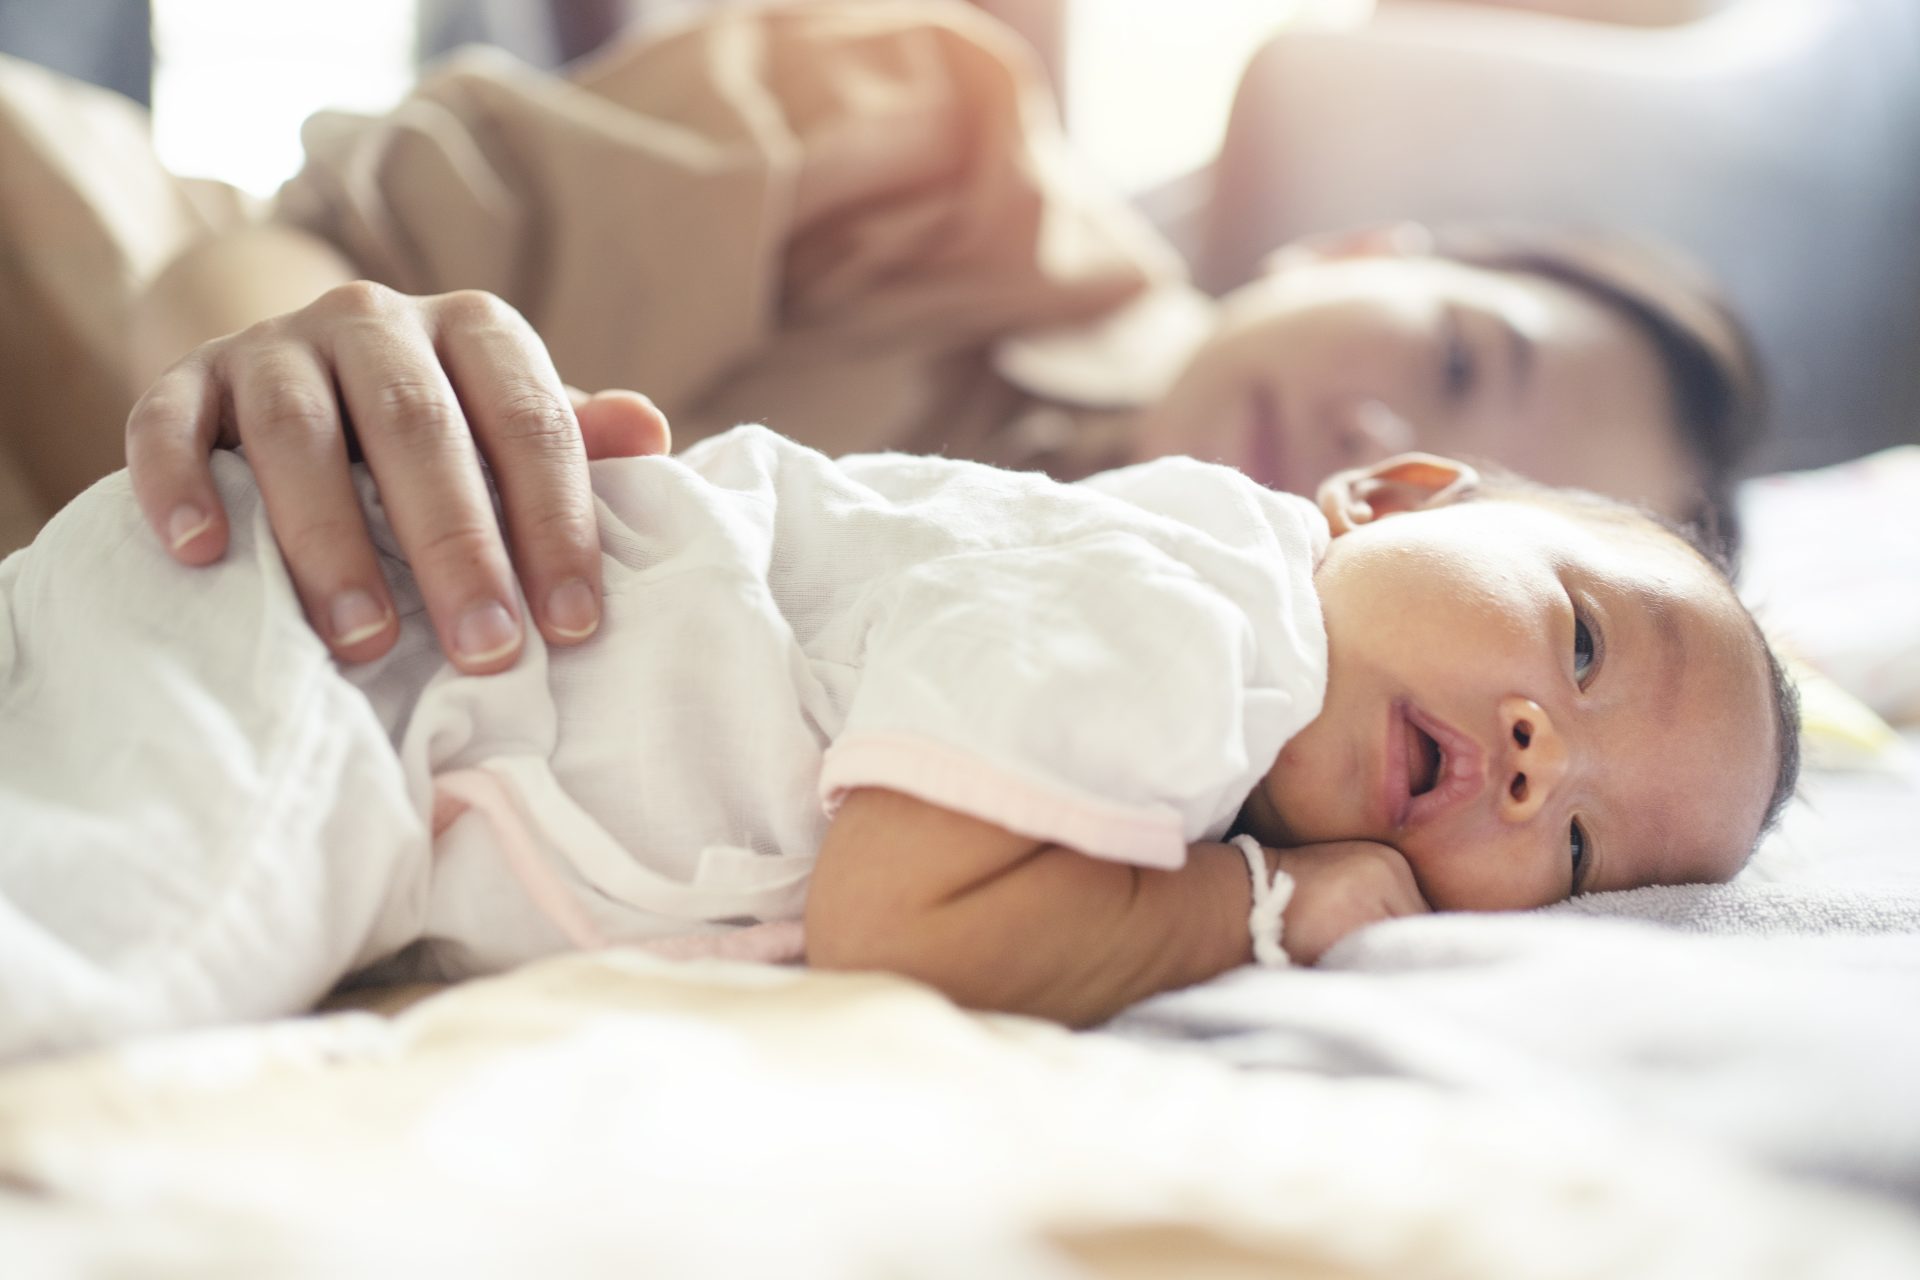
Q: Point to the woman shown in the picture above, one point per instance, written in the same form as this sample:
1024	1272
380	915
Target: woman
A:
856	224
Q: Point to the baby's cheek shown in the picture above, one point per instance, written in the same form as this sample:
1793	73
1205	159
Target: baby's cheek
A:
1295	803
1463	872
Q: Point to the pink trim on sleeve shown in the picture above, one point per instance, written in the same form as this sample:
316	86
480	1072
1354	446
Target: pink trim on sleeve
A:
1145	835
492	797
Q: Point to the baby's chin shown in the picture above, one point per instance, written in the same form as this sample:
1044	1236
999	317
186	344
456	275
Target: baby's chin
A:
1258	818
1262	818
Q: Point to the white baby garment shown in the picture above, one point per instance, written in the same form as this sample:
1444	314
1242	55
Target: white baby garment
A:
1110	665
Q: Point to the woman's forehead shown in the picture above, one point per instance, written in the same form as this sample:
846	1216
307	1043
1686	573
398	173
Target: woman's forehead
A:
1590	400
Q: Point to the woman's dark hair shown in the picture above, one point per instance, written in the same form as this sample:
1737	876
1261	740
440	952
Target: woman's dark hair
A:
1713	369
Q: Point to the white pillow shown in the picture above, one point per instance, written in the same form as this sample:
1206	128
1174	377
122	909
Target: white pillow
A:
1832	571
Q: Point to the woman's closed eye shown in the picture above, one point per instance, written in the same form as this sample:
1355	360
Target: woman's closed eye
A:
1459	369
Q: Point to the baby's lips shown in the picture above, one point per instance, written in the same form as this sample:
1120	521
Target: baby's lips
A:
1463	769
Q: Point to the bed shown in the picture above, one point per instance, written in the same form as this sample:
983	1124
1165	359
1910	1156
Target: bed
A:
1687	1082
1564	1094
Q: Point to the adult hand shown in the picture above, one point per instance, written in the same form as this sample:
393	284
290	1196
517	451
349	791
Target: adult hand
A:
1341	886
427	387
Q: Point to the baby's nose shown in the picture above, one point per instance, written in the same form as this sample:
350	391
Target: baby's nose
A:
1532	759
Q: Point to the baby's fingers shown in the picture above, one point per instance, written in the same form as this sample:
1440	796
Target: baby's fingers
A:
170	432
1342	887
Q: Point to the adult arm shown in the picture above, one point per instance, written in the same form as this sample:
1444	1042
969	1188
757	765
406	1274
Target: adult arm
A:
434	385
1000	921
664	221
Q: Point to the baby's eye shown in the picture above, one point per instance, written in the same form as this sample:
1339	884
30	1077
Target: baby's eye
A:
1582	649
1577	850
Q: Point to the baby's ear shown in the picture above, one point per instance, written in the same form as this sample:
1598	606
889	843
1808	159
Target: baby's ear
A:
1405	482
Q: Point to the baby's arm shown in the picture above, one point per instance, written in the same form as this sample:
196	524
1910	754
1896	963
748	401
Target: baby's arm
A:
1002	921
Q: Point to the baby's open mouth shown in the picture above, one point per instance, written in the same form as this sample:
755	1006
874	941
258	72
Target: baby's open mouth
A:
1444	767
1424	761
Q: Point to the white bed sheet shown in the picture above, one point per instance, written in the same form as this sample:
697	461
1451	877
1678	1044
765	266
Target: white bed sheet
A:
1777	1017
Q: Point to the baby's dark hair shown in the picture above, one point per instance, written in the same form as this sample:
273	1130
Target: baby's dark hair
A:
1713	369
1495	483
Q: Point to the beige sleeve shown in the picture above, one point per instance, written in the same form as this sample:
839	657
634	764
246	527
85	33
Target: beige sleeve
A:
818	216
87	217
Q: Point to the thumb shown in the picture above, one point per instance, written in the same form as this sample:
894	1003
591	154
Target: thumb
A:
621	424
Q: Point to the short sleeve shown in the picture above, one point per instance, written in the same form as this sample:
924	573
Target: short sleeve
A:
1101	694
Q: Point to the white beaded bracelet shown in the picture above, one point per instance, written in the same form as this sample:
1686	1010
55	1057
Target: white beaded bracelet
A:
1270	898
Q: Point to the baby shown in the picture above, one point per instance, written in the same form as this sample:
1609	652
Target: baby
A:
1051	748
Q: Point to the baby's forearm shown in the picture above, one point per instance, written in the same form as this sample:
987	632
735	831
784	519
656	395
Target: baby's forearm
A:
999	921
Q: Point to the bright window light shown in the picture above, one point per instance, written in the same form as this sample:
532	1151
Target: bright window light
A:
233	79
1149	82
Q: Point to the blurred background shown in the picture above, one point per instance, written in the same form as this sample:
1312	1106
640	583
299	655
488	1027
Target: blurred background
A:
1776	140
193	60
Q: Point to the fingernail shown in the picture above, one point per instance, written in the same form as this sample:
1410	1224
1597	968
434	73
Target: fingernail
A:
355	616
571	613
185	524
487	631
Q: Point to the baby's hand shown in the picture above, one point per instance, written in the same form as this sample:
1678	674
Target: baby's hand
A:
1340	886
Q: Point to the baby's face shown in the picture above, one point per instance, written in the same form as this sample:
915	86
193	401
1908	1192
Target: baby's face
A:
1529	702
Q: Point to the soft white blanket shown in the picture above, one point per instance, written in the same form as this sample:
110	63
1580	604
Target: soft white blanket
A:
1777	1016
616	1115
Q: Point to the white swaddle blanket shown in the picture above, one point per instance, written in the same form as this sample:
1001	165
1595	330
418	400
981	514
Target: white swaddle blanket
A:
198	818
203	818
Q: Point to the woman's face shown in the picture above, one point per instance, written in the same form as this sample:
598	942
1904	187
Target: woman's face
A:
1338	361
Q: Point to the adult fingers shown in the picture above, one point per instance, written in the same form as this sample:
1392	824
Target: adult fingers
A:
523	419
170	432
416	442
284	397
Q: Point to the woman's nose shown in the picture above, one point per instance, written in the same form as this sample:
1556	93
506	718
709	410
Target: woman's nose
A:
1370	431
1532	758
